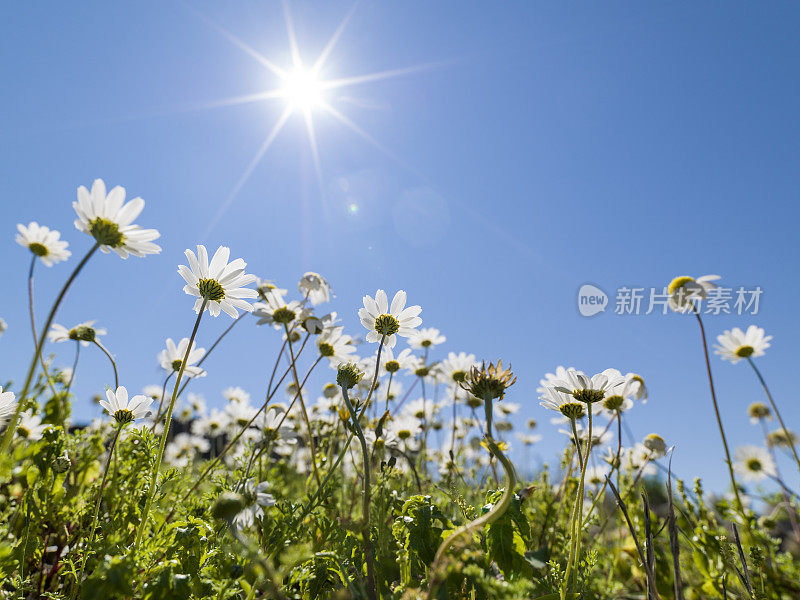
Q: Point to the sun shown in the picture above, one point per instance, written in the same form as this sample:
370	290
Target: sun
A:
302	89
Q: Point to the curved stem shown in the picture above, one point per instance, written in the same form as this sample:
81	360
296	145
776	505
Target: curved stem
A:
12	423
728	461
161	401
490	517
33	323
365	530
74	366
159	457
111	360
789	438
311	442
96	512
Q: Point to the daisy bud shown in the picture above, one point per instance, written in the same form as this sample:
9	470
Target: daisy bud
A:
656	444
82	333
61	464
349	375
572	410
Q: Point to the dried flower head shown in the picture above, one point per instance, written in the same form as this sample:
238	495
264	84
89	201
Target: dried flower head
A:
488	382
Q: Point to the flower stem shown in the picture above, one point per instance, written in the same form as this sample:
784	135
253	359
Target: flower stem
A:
111	360
728	461
92	529
365	531
789	439
12	423
577	511
74	367
157	465
33	323
312	445
490	517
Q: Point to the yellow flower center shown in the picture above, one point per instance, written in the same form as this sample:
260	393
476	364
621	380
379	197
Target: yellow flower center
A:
744	351
387	325
210	289
38	249
106	232
678	283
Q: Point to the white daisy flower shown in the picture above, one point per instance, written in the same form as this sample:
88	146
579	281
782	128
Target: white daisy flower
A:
108	220
8	405
315	287
256	499
735	344
211	425
383	321
550	378
455	367
236	394
171	358
754	463
426	337
276	311
335	345
392	363
44	242
758	411
588	389
85	333
684	291
655	444
553	399
529	439
265	287
620	397
124	409
3	326
30	426
239	415
219	282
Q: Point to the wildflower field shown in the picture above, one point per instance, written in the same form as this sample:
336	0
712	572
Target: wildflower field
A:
392	481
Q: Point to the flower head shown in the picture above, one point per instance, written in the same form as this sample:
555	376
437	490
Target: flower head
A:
683	291
278	312
570	408
30	426
349	375
455	367
123	409
753	463
758	411
335	345
171	358
44	242
108	219
655	444
7	405
589	389
426	337
734	344
220	283
488	382
85	333
386	322
315	287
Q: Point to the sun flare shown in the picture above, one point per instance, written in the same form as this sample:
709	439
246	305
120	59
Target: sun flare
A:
302	89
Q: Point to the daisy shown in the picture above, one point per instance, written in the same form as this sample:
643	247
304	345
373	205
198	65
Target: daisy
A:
211	425
43	242
171	358
684	290
758	411
3	326
335	345
276	311
588	389
426	337
655	444
754	463
455	367
734	344
30	426
85	333
123	409
7	405
385	322
220	283
315	287
552	399
265	287
236	394
108	220
549	378
256	499
629	387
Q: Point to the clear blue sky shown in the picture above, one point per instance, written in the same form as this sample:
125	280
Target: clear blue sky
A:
546	145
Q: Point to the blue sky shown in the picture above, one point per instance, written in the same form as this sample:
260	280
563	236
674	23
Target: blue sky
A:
538	147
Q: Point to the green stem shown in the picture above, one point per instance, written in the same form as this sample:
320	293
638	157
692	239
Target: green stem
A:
33	323
365	531
111	360
12	423
159	457
74	367
490	517
728	461
789	438
93	527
